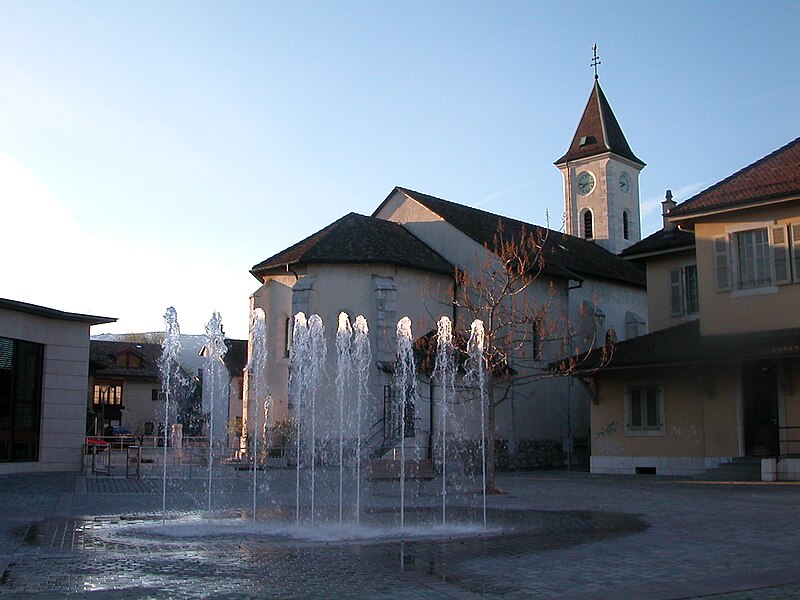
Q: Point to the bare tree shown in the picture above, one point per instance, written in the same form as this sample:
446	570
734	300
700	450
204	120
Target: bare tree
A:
514	294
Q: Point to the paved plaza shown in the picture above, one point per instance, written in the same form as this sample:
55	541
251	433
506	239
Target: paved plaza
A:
556	534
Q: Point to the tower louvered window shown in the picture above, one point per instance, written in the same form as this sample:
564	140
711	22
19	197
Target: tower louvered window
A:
588	232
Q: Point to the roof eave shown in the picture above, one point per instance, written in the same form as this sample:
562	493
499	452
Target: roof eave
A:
53	313
666	364
273	270
692	215
634	162
670	250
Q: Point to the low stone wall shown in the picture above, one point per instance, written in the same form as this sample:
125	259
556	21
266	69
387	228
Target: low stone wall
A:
780	469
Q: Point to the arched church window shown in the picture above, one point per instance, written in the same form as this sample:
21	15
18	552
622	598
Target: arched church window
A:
625	229
588	232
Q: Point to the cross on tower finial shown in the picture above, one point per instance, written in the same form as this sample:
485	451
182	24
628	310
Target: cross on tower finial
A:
595	60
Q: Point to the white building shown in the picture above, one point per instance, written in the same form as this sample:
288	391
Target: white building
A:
404	260
44	362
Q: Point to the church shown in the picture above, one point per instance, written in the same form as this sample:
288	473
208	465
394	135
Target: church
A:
420	257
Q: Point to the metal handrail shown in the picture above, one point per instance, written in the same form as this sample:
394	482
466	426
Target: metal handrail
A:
787	440
137	461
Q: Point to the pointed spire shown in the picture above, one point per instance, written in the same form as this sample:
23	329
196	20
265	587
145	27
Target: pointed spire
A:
598	131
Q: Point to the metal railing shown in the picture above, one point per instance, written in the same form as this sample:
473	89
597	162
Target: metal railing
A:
105	455
788	441
133	463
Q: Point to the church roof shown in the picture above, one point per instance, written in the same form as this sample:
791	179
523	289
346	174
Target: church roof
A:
683	344
663	240
356	239
565	255
598	131
103	359
775	176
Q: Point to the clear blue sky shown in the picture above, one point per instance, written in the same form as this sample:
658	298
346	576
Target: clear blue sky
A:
152	152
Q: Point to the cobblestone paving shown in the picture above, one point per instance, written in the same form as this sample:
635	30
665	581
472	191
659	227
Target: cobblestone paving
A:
577	536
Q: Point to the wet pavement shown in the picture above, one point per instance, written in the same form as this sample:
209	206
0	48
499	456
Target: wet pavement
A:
552	534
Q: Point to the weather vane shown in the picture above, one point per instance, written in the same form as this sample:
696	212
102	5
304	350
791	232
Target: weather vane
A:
595	60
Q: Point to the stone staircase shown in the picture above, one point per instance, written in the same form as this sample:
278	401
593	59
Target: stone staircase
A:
742	468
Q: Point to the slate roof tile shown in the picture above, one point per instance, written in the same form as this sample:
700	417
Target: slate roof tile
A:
356	239
598	131
775	176
683	344
103	353
661	241
565	255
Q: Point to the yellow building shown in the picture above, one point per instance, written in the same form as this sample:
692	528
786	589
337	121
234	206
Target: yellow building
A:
718	378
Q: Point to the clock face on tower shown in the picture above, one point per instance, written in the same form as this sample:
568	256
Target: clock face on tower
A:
585	182
624	183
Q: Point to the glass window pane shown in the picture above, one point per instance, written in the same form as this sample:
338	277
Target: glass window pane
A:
653	415
753	258
636	408
20	398
691	290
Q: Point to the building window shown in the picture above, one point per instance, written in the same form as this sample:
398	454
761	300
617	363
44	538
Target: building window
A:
625	227
593	324
684	293
149	428
588	230
536	340
21	366
644	410
753	260
128	359
109	394
634	325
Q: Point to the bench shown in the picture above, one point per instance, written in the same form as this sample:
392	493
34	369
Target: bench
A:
388	469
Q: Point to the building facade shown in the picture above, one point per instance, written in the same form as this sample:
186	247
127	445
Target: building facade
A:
408	258
44	357
717	380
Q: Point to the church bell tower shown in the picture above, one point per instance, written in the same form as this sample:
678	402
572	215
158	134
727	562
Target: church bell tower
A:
601	178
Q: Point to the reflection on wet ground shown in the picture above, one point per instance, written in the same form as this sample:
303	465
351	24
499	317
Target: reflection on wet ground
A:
261	553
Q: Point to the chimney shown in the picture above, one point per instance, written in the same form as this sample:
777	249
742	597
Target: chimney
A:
667	205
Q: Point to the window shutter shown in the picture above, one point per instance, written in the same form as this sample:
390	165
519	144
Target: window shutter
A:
795	229
675	293
722	269
780	256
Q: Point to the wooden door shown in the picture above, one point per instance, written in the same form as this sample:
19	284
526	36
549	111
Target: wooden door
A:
760	389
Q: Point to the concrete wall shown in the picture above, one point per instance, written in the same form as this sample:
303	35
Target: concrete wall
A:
423	297
549	408
64	390
739	311
606	200
448	241
658	289
702	421
275	299
137	398
613	299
